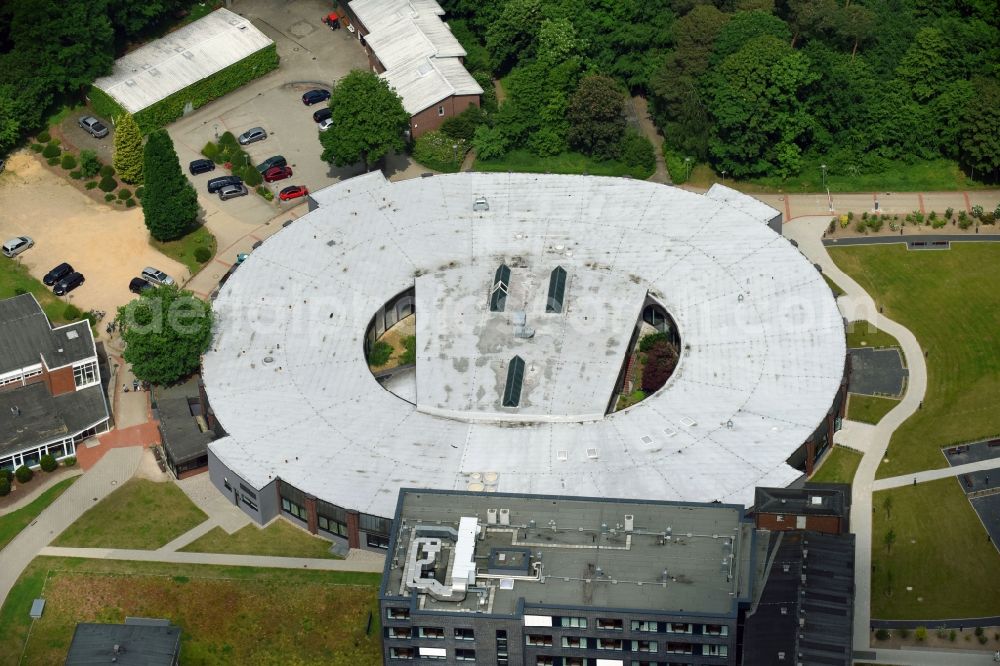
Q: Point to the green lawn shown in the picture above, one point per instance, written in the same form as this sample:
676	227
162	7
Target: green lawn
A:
183	249
839	466
951	302
279	539
864	334
940	551
869	408
15	521
834	287
141	514
15	279
572	163
231	615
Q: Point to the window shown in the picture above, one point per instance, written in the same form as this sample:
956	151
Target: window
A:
716	629
574	642
291	507
250	503
641	662
609	624
502	647
400	632
645	625
401	653
679	628
609	644
86	374
465	654
331	526
441	110
397	613
780	518
573	622
374	524
680	648
379	541
573	661
501	284
247	491
644	646
430	632
557	290
464	634
512	389
544	660
538	639
715	650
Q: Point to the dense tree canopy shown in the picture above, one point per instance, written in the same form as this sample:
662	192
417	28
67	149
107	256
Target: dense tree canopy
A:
128	155
368	121
169	202
597	117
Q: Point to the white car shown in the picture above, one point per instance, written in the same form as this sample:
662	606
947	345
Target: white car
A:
325	124
155	276
17	245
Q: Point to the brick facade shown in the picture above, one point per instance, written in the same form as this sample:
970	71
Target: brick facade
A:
430	119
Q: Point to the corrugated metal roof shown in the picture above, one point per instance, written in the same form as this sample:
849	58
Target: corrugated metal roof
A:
763	343
196	51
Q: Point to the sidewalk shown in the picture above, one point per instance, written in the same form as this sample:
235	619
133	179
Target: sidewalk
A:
362	564
45	481
935	474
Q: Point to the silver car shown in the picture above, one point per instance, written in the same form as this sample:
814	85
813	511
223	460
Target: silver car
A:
232	191
93	126
252	135
17	245
155	276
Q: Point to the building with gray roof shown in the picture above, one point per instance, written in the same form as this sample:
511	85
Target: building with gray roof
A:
137	642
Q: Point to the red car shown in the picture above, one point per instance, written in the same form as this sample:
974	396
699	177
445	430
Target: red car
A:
293	192
277	173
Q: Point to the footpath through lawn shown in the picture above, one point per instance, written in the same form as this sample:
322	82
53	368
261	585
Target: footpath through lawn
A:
15	521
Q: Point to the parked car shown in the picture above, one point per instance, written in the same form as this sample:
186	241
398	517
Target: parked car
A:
315	96
155	276
252	135
216	184
201	166
138	285
325	124
322	114
68	283
56	274
277	173
232	191
17	245
93	126
273	161
293	192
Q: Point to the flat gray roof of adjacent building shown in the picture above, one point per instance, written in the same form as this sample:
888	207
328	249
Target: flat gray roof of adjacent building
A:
129	644
182	435
585	556
41	418
762	356
27	337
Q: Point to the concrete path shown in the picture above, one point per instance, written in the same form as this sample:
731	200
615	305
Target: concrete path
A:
219	509
857	304
930	657
190	536
855	435
935	474
44	483
224	559
111	472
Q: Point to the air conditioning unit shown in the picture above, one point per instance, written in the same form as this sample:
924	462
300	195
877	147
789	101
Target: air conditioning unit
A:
491	516
505	516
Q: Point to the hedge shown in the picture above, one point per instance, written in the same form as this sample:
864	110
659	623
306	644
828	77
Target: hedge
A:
198	93
4	487
677	168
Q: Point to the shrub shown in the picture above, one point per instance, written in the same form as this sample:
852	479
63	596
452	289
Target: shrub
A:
920	634
124	194
678	166
948	212
251	177
44	136
107	184
904	633
138	192
979	631
264	192
439	151
130	203
76	175
932	216
71	312
875	223
6	474
91	185
69	462
649	341
918	217
989	218
48	463
51	151
952	635
410	355
983	639
127	158
977	210
490	143
68	162
53	161
964	223
89	164
202	254
861	226
850	215
228	139
107	171
940	222
4	487
24	474
463	126
38	147
882	634
109	197
661	359
211	151
638	151
380	354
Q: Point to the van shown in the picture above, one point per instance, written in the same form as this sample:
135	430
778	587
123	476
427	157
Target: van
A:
201	166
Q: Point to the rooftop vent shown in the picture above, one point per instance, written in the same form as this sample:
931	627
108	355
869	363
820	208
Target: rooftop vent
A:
557	290
498	293
72	335
521	329
515	376
816	500
480	205
425	68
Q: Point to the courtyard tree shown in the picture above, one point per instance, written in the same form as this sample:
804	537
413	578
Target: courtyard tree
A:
165	332
368	121
889	539
128	149
169	202
887	505
596	114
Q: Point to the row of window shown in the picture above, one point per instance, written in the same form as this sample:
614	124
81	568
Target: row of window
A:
20	377
679	628
617	644
461	654
86	374
58	450
292	504
545	660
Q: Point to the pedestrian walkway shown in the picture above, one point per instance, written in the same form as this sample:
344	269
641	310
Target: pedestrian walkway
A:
219	508
362	564
146	434
110	473
190	536
935	474
39	486
854	435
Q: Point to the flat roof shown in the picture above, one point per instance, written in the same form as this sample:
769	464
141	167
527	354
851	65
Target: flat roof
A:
42	418
578	552
182	436
129	644
28	337
160	68
763	344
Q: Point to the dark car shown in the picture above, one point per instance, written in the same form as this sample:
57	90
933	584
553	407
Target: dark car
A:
322	114
68	283
138	285
315	96
293	192
201	166
270	162
277	173
56	274
216	184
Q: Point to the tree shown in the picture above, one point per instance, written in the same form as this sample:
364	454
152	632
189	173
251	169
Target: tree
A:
926	66
133	18
744	27
368	121
165	331
169	202
128	155
557	42
889	539
513	35
887	505
10	127
596	114
661	360
980	132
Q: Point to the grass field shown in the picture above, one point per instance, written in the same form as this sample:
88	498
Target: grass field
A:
183	249
838	467
869	408
951	302
15	279
15	521
573	163
940	551
864	334
141	514
834	287
228	615
278	539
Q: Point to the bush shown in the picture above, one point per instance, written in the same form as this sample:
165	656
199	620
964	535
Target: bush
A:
861	226
439	151
91	185
108	184
875	223
948	212
4	487
71	312
410	355
124	194
940	222
24	474
51	151
76	175
982	640
678	167
463	126
69	462
202	254
6	474
107	171
48	463
138	192
952	635
211	151
904	633
882	634
68	162
53	161
89	164
638	151
649	341
379	354
979	631
44	136
130	203
228	139
920	634
264	192
490	143
977	210
661	359
38	147
109	197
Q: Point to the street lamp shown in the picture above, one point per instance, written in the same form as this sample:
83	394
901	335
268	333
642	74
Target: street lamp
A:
454	152
687	164
823	167
723	176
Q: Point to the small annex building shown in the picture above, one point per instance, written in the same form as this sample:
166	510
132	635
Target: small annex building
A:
139	642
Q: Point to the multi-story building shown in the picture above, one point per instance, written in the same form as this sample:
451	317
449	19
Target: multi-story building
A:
817	507
51	397
506	579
